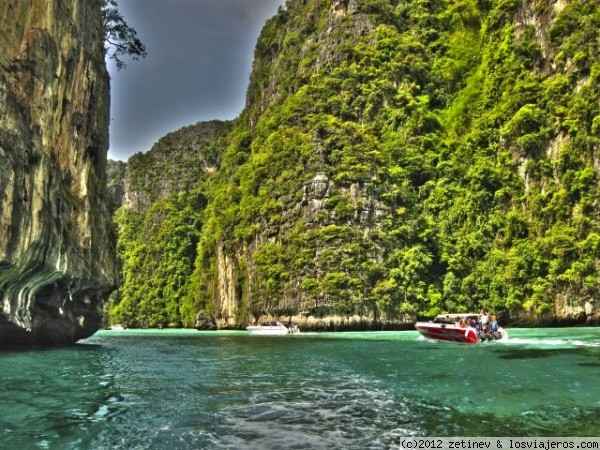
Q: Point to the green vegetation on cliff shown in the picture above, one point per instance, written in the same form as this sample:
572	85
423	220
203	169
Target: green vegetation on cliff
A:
398	159
159	223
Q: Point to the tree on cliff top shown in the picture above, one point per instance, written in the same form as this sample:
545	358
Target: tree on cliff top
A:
119	38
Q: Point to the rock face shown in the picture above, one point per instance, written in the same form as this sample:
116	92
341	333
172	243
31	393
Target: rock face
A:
394	160
174	164
205	322
56	258
381	175
116	182
160	197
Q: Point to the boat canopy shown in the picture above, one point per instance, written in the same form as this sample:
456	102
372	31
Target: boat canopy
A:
443	317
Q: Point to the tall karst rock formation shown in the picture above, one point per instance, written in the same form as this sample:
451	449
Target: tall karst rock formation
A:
56	261
405	158
396	159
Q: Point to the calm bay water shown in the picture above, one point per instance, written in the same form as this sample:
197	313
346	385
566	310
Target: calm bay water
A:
194	390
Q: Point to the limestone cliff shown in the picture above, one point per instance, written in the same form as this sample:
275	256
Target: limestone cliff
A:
56	258
174	164
115	174
405	158
395	159
160	197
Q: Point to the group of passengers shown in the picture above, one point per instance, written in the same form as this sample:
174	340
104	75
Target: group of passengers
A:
484	323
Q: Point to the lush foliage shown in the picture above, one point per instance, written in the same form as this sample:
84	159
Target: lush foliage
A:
157	251
159	222
409	158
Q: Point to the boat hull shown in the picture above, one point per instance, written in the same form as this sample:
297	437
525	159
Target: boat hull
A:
267	330
447	332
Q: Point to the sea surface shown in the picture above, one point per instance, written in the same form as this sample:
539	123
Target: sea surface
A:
176	389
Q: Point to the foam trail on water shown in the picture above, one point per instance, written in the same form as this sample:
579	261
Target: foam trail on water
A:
550	342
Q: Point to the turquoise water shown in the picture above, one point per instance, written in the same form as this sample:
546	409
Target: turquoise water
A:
228	390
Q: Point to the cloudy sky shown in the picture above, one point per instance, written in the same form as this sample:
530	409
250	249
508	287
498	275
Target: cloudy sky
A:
198	66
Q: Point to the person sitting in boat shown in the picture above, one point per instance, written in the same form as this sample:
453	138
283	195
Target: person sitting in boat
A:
473	322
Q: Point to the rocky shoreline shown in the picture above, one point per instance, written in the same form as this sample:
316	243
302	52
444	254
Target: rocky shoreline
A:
358	323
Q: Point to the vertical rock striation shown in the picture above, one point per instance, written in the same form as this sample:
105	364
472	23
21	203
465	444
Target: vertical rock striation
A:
56	261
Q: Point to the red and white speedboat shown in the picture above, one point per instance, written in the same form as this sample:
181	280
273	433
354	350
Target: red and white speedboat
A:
446	327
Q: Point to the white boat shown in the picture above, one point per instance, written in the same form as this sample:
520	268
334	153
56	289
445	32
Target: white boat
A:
273	328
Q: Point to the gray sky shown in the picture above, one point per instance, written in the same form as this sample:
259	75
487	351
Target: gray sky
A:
198	66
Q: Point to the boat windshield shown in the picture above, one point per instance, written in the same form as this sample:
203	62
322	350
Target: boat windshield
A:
271	323
453	318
